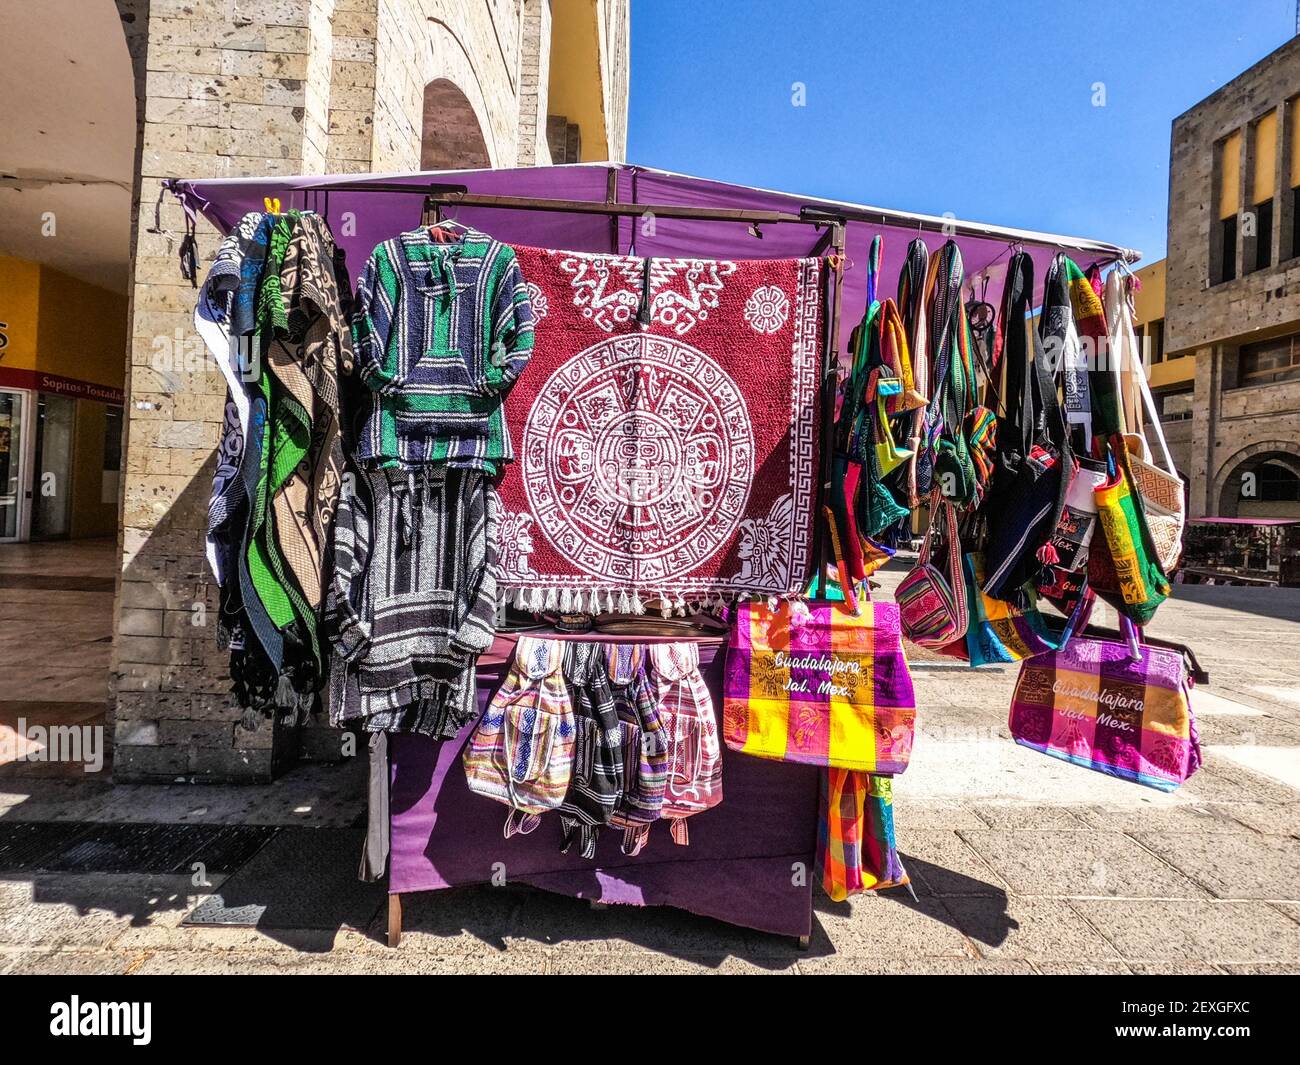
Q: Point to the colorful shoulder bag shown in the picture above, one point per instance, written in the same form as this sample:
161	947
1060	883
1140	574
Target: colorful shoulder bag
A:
931	604
817	684
647	745
1118	707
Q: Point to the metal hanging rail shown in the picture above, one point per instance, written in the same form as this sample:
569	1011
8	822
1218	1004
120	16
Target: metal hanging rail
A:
952	227
460	196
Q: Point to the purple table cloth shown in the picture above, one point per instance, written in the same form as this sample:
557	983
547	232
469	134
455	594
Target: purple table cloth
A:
749	863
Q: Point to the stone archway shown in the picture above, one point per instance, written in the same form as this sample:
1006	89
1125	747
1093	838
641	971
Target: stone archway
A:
450	136
1242	484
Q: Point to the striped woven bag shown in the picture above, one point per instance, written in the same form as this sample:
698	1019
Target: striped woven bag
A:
597	783
647	745
695	770
932	605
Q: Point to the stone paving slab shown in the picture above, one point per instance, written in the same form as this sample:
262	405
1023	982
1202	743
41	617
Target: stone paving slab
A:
181	962
311	796
1081	864
650	963
1028	816
1269	818
1200	818
1220	780
1160	932
889	929
545	919
1038	930
88	910
942	863
873	965
1233	866
68	963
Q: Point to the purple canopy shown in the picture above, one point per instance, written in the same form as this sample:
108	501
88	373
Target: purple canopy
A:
360	220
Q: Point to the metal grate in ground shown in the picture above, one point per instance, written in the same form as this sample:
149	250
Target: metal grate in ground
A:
104	847
305	879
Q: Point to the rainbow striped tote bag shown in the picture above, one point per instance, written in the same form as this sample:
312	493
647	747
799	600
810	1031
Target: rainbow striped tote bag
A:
814	683
1117	707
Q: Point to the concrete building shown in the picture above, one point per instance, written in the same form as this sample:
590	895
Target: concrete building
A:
152	89
1222	312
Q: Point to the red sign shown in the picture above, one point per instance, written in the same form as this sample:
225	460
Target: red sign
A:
11	377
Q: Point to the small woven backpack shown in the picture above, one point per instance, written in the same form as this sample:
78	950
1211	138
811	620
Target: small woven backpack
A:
521	753
695	768
647	745
597	782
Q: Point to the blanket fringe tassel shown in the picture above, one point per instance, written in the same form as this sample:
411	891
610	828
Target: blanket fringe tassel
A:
634	601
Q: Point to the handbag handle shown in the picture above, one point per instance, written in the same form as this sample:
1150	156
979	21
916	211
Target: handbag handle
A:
1120	289
1132	636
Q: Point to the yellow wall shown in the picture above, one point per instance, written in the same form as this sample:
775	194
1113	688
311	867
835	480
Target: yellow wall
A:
56	324
1172	372
1149	305
575	85
1262	177
59	325
91	516
1230	175
20	289
1149	300
1293	116
82	330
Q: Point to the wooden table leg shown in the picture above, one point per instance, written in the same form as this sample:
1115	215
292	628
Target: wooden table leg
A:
394	920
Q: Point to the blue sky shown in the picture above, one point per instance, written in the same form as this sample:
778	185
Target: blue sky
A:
985	110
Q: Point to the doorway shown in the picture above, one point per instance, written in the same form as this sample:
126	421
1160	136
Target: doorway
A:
13	422
56	427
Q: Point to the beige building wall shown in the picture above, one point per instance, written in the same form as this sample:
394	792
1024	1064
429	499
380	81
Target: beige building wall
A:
228	88
1229	154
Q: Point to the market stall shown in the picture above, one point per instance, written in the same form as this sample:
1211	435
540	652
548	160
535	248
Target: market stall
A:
521	493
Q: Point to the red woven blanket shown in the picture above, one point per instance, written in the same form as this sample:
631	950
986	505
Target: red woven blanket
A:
672	461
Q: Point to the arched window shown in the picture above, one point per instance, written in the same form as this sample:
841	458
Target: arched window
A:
1278	483
450	137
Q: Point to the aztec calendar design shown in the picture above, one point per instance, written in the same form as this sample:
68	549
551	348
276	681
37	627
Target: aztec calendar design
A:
638	456
767	309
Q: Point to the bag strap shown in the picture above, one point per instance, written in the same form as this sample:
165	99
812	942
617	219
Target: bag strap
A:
956	578
1139	396
941	508
873	267
1079	616
1017	413
923	556
945	301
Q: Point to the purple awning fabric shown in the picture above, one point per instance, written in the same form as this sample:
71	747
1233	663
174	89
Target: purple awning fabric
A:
360	220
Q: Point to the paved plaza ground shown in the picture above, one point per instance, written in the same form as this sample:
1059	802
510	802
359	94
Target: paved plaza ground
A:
1021	864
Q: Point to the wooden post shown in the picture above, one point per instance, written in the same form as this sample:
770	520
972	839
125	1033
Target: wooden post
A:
394	920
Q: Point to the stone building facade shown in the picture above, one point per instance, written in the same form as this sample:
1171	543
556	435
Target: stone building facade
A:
1229	366
228	88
